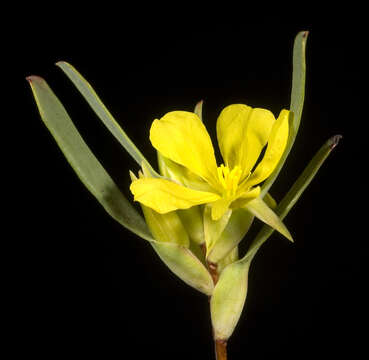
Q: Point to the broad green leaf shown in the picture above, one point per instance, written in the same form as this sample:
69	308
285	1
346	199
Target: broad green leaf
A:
297	102
178	258
103	113
87	167
262	211
228	299
294	193
237	227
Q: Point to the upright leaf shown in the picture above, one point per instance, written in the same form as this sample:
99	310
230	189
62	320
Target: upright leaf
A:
295	192
103	113
297	102
87	167
178	258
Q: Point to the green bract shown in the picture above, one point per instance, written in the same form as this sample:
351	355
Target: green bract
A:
198	240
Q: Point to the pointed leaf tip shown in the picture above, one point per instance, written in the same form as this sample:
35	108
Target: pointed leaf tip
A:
334	140
34	78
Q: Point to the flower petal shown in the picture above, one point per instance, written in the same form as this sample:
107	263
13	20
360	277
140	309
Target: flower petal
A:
276	145
165	195
219	208
181	174
245	197
182	137
242	133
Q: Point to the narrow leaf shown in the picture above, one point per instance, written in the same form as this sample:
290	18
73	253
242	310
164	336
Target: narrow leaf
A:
297	102
179	259
103	113
82	160
295	192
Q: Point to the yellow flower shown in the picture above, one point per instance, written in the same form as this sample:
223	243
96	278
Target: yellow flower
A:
242	134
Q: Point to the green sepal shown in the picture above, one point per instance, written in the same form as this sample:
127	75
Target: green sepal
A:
198	109
103	113
192	220
228	299
166	227
213	228
230	258
185	265
263	212
238	225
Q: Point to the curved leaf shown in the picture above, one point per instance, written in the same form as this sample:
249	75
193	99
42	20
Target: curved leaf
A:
297	102
89	170
103	113
87	167
295	192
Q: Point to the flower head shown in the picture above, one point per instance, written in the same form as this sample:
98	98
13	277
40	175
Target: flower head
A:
242	133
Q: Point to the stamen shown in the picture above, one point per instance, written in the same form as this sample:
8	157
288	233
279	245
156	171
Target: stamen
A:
229	179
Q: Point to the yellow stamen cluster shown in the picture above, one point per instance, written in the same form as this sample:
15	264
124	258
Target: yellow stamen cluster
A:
229	179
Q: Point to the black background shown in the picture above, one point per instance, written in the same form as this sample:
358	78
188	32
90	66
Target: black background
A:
83	286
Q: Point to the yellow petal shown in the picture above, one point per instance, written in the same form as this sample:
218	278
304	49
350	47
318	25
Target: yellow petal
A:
246	197
276	145
181	175
242	133
219	208
182	137
164	195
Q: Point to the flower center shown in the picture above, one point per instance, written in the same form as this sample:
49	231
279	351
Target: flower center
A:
229	179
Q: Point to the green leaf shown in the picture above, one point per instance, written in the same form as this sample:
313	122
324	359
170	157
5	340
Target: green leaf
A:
228	299
82	160
178	258
263	212
297	102
269	200
103	113
295	192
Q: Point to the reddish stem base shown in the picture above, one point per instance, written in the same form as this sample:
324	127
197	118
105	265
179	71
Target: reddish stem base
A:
221	349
